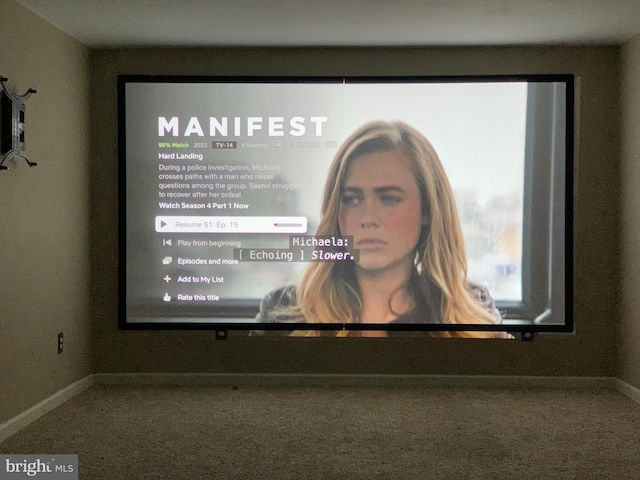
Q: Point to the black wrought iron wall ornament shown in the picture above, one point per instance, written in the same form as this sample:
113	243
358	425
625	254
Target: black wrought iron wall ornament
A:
12	130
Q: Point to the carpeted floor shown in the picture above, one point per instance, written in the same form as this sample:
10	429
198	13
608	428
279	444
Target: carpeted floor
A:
341	433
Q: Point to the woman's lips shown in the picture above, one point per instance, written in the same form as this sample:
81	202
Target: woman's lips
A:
370	244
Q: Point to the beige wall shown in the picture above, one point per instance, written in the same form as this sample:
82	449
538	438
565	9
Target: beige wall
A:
591	351
44	229
630	218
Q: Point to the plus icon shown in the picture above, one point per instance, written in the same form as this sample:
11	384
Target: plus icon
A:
167	278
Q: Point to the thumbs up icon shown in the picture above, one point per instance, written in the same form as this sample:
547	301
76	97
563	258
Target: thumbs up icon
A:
167	297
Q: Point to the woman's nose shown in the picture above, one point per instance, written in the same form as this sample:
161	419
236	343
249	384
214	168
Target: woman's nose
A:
370	215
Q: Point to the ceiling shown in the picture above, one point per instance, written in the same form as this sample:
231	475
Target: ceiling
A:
127	23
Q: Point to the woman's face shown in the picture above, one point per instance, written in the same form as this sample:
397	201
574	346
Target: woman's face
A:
380	208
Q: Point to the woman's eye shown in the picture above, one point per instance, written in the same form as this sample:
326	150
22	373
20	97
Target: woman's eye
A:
350	200
390	199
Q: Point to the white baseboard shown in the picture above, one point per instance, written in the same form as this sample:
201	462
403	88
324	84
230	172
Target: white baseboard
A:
28	416
629	390
310	380
352	380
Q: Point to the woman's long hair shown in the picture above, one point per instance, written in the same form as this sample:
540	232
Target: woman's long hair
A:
328	291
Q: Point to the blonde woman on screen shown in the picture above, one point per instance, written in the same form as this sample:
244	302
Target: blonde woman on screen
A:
387	189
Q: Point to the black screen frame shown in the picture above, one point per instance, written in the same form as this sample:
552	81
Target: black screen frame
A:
533	295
